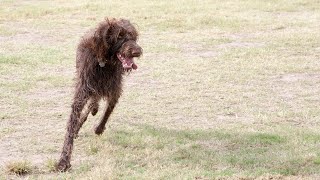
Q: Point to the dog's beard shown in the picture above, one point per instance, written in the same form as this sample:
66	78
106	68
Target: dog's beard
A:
127	71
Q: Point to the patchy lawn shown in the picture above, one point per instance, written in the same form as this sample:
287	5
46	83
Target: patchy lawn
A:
225	90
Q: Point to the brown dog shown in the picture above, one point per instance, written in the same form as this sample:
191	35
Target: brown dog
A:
103	56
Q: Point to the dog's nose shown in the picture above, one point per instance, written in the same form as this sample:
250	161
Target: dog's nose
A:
136	52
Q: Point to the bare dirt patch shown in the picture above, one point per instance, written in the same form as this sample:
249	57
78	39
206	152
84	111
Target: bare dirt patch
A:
27	38
238	44
298	84
290	78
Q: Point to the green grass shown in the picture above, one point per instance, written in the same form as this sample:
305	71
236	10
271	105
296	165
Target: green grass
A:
165	153
225	89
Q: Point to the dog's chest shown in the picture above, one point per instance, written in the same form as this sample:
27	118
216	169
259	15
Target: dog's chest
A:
107	79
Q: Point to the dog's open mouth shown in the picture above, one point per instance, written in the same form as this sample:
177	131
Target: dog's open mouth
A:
127	62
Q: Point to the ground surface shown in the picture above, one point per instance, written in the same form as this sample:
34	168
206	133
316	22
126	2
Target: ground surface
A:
225	89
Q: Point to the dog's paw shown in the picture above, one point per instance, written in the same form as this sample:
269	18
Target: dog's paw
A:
94	111
63	166
99	130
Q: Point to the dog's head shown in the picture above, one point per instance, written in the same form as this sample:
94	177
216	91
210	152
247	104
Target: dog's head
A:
116	41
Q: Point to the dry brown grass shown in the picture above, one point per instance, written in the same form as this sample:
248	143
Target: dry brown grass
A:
225	89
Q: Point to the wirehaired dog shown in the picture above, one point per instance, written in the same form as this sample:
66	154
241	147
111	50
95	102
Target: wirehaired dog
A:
104	55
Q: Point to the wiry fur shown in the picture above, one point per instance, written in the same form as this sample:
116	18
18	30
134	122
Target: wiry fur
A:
94	81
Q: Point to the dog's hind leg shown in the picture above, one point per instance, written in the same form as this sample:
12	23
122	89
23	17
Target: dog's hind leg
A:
80	99
93	107
101	126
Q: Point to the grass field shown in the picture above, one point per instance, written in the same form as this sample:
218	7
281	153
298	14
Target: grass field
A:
225	89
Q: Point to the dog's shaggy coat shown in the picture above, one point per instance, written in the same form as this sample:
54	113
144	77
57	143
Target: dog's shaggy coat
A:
103	56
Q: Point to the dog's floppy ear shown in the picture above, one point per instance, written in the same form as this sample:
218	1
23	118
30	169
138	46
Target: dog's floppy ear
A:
101	44
116	30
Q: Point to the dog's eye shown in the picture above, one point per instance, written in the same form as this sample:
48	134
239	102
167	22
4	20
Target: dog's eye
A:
121	34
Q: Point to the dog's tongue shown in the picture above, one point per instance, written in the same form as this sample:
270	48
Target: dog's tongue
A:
127	63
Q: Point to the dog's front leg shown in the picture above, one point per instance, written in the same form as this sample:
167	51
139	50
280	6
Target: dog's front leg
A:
101	126
79	102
